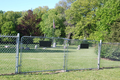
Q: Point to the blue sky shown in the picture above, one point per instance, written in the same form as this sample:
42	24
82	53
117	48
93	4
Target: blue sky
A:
21	5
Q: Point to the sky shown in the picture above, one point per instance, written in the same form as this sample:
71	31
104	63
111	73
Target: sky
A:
24	5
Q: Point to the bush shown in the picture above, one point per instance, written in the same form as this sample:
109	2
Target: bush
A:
109	51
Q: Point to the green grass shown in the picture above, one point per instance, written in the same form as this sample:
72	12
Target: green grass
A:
51	59
105	74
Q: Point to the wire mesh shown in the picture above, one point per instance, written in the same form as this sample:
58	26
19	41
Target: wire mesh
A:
82	54
7	54
40	54
110	55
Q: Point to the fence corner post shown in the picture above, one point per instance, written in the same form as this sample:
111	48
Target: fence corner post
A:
17	53
99	51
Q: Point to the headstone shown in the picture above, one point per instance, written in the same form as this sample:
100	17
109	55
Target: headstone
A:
44	48
27	48
84	46
64	47
35	46
45	44
22	47
7	46
54	44
78	47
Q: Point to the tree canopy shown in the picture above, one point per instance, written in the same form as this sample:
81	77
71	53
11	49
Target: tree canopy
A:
76	19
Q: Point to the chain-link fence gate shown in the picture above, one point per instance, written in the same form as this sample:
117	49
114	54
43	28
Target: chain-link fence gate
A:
42	54
49	54
9	52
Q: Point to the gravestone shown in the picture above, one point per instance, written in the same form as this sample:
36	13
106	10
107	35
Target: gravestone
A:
27	48
54	44
84	46
45	44
35	46
78	47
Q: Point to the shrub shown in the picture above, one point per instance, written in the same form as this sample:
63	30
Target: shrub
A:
109	51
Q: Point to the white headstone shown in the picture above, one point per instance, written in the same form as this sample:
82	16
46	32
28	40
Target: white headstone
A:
54	44
7	46
78	47
35	46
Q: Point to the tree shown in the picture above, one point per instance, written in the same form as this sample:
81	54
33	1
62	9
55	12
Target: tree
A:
29	25
1	15
65	3
40	11
105	17
8	28
114	35
47	24
7	19
81	16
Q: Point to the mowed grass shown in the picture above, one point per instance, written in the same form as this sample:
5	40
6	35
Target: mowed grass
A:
105	74
41	59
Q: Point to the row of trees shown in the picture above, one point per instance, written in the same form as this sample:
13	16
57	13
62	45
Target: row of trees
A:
76	19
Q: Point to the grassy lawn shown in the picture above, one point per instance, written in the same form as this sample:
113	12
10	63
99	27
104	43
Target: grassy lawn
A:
105	74
52	59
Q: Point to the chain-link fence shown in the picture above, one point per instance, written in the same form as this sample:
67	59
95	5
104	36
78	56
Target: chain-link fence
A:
8	51
110	55
48	54
82	55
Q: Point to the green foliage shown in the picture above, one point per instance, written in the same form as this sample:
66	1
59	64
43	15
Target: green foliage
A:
105	17
81	15
114	35
8	28
36	40
8	21
40	11
47	24
109	51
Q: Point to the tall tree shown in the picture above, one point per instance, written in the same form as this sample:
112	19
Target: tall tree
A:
8	28
47	24
105	17
81	16
114	35
29	25
40	11
65	3
61	6
9	18
1	23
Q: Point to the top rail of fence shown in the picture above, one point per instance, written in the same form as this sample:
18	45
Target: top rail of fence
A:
59	38
111	43
8	36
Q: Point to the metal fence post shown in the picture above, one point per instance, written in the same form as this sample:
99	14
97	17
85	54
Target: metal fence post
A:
17	53
67	55
64	53
99	51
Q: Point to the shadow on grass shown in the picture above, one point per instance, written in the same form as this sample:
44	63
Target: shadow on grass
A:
7	50
43	51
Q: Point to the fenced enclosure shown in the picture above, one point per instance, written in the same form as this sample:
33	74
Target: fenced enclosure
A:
9	46
37	54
